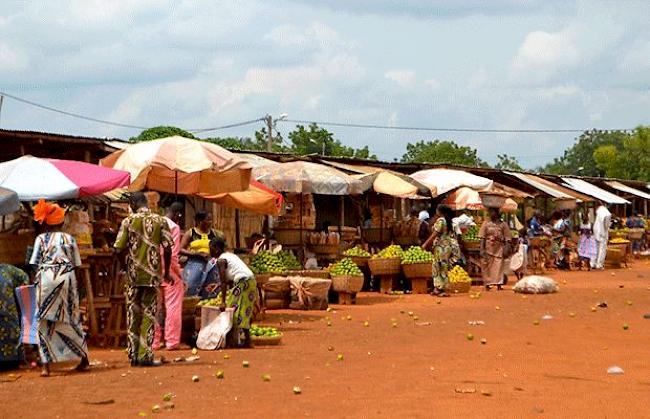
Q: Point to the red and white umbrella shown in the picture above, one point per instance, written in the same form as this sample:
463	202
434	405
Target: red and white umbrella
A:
33	178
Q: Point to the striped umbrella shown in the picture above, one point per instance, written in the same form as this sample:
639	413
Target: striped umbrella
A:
33	178
181	165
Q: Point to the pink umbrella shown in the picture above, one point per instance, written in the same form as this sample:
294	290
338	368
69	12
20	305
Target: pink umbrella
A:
33	178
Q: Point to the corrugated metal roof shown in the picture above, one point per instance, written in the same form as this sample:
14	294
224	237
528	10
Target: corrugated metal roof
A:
624	188
594	191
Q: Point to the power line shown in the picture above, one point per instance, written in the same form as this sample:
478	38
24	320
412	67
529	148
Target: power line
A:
72	114
406	128
117	124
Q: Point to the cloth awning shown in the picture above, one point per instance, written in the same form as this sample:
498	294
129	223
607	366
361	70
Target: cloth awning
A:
627	189
257	198
441	181
307	177
593	190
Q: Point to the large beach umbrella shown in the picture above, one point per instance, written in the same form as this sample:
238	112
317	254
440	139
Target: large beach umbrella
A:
181	165
9	201
257	198
467	198
441	181
307	177
33	178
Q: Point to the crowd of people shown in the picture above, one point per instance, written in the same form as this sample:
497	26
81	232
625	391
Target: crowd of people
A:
47	315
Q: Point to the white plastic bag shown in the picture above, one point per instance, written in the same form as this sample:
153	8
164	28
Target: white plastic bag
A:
535	285
215	325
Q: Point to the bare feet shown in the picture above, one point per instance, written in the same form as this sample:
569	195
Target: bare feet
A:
45	370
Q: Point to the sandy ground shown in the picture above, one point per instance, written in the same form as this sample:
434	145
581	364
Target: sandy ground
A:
422	368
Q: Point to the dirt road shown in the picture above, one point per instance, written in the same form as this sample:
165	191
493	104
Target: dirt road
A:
422	368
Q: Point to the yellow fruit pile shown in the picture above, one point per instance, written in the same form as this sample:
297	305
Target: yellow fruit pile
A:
458	274
619	240
392	251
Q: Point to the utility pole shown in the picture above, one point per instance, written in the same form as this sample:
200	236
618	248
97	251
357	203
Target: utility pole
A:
269	126
1	99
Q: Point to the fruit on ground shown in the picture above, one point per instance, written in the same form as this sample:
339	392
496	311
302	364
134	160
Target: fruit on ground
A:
483	341
339	357
266	377
626	326
195	378
220	374
469	336
297	390
245	364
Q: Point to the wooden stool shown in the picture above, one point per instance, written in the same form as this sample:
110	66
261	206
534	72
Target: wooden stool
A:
419	285
388	283
346	298
116	323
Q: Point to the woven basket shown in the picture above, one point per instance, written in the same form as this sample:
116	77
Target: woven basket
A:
388	266
314	273
418	270
407	241
290	237
266	341
492	200
457	287
635	234
360	260
262	279
473	245
324	249
347	283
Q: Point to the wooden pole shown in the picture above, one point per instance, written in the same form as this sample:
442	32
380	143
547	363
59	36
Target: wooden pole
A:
237	230
342	213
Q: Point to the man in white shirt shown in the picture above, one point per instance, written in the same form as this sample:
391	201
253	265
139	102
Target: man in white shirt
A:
601	233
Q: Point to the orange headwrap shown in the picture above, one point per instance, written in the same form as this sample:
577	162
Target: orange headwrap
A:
50	213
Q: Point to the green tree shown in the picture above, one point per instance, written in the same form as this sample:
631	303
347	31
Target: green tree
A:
579	158
441	152
160	132
630	161
317	140
506	162
262	139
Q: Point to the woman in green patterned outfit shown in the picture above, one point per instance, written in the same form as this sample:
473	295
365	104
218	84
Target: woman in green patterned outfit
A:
445	249
243	294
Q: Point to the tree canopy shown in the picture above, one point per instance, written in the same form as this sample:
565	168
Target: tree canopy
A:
441	152
318	140
160	132
630	160
579	158
505	162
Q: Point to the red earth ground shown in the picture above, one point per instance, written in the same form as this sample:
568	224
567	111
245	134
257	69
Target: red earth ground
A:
422	368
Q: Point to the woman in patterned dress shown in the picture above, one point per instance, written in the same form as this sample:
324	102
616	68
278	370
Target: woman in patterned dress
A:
445	249
495	248
56	256
243	294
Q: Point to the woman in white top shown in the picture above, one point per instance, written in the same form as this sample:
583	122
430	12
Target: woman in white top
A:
234	272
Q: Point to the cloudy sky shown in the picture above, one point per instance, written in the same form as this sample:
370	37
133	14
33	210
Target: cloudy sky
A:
498	64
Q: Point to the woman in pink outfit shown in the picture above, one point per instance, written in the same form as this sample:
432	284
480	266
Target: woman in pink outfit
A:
170	299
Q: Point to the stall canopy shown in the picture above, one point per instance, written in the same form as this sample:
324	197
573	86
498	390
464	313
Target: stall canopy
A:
33	178
441	181
593	191
307	177
256	161
544	186
181	165
257	198
390	183
627	189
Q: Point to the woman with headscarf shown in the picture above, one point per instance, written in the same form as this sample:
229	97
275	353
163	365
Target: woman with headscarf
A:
195	244
445	249
56	256
495	248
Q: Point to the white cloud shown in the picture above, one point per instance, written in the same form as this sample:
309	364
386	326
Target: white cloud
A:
404	78
11	60
432	84
543	54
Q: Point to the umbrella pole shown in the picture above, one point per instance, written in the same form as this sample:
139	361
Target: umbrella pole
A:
176	184
237	232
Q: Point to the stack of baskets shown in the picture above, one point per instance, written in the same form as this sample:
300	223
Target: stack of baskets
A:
360	260
418	270
347	283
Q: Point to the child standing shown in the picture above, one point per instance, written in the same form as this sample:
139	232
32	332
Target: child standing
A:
587	244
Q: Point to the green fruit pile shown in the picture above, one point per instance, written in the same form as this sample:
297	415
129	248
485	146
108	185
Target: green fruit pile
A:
266	262
290	261
345	267
391	252
471	235
356	251
415	254
264	332
210	302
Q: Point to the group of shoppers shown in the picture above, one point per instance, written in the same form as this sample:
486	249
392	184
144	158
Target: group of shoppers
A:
155	283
